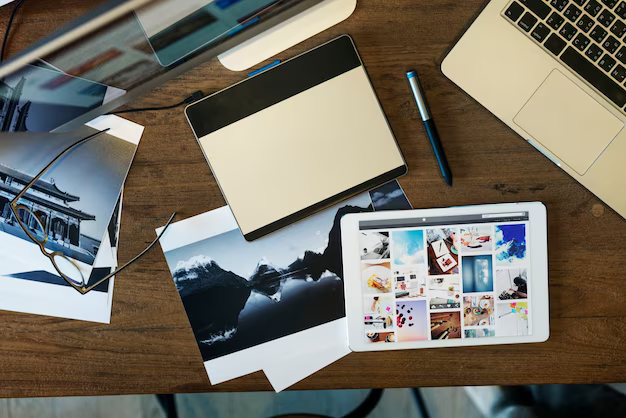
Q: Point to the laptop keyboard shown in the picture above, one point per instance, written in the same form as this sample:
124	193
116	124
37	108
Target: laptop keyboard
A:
585	35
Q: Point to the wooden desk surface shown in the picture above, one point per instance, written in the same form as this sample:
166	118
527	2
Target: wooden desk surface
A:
149	346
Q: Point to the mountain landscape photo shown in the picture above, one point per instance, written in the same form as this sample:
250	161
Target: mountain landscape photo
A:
239	294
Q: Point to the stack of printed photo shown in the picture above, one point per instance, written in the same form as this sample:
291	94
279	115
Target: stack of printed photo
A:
77	202
274	304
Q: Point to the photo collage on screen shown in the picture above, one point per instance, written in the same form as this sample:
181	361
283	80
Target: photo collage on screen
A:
445	282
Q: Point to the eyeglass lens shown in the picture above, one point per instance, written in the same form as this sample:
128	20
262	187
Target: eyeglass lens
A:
69	269
32	224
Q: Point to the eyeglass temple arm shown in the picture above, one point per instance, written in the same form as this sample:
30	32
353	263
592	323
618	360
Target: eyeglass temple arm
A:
42	172
137	257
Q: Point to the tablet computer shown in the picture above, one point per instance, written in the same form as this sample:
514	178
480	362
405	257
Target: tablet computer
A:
297	138
460	276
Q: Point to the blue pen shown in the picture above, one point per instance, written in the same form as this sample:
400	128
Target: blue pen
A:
431	129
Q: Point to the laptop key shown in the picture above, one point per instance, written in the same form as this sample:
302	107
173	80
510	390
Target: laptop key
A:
527	21
619	73
594	76
618	29
572	13
538	7
580	2
585	23
621	10
568	31
555	21
611	44
581	42
593	8
606	18
540	32
559	4
514	11
621	55
555	44
594	52
606	63
598	34
609	3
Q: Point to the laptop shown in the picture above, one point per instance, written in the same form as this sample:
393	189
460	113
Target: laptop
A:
555	72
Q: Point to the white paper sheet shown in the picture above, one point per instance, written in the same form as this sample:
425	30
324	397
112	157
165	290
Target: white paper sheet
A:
250	360
285	360
55	300
59	301
253	359
287	371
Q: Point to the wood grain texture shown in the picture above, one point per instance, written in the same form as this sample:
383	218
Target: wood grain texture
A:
149	346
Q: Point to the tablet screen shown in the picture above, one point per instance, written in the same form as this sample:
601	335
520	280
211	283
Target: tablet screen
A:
448	277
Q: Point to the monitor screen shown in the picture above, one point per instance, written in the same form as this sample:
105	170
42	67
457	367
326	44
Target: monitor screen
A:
177	29
116	53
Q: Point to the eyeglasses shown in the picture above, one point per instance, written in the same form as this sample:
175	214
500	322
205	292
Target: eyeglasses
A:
35	230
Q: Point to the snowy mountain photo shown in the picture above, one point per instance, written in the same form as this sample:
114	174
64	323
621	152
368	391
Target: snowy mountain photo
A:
239	294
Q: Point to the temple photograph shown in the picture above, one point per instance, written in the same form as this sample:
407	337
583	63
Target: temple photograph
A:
73	200
61	222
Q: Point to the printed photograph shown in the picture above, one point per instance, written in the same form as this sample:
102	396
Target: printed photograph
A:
240	294
480	332
378	305
389	196
374	323
476	239
510	245
444	292
380	337
376	277
39	99
410	283
445	325
512	283
408	247
411	320
443	253
43	276
512	319
374	245
477	273
73	202
478	310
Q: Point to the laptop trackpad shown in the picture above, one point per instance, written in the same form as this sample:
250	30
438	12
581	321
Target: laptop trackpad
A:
568	122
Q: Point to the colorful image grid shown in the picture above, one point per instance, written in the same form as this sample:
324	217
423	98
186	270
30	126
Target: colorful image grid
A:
462	281
495	268
412	285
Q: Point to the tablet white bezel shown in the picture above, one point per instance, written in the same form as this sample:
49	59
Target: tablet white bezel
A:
538	249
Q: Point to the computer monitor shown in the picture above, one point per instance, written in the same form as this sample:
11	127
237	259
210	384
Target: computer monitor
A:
122	50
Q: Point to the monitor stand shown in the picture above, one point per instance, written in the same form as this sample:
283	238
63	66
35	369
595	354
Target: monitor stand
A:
287	34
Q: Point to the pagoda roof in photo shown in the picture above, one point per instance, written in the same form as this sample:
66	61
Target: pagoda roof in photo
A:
66	210
43	186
